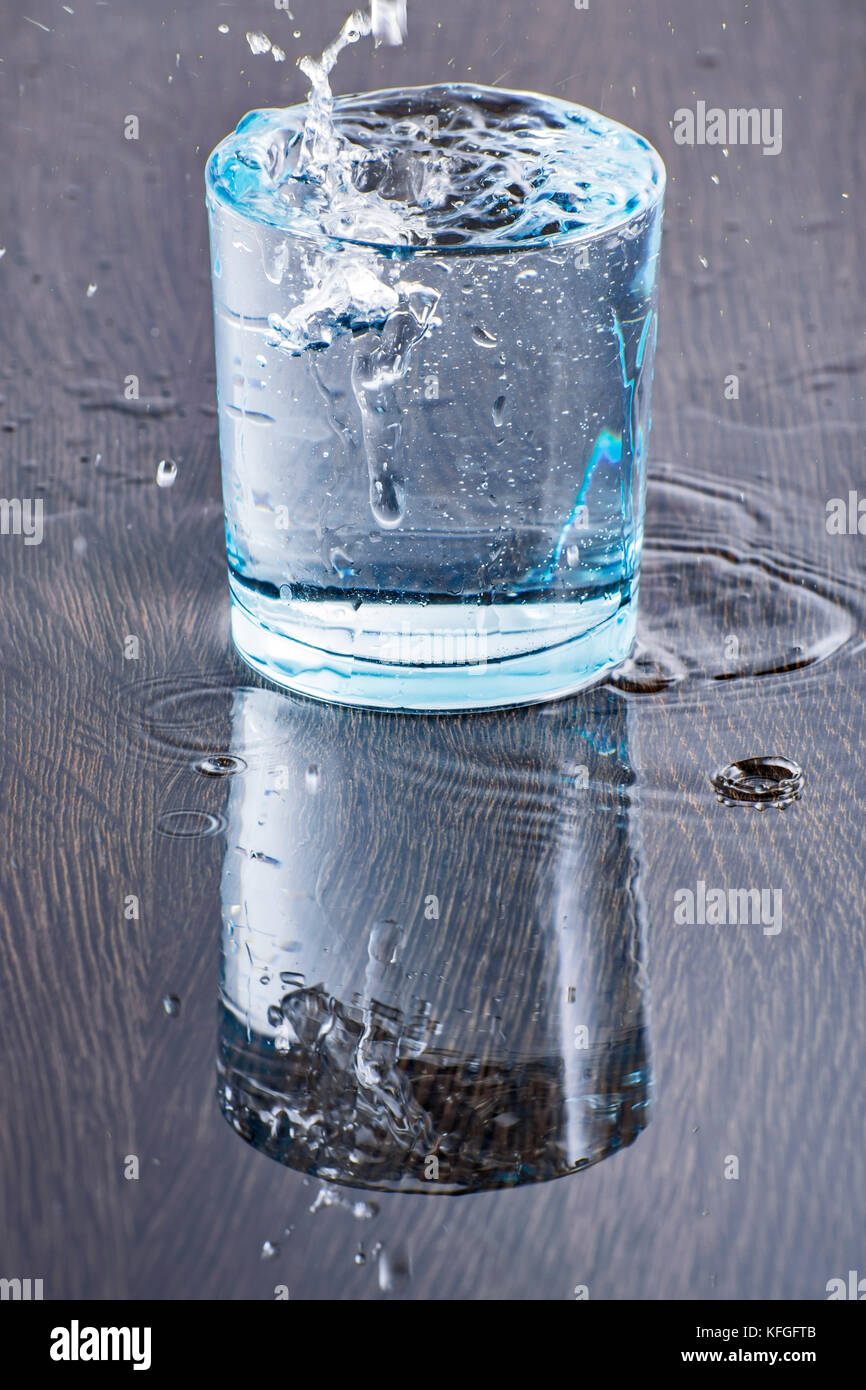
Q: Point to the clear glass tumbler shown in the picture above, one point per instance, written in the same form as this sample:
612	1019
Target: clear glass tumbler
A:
434	455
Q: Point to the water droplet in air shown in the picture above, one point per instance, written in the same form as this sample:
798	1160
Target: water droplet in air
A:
759	782
166	473
312	779
258	42
171	1004
270	1250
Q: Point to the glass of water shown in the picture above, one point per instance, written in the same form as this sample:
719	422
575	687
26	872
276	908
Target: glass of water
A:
434	358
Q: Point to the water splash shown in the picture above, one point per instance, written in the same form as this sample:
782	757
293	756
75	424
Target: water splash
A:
376	375
347	290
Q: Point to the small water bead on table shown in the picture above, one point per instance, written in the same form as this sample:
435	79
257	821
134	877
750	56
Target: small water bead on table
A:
435	320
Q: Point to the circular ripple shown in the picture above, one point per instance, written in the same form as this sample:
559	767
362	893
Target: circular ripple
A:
190	824
188	714
716	606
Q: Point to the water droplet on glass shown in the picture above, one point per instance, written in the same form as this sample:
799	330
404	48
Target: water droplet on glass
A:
171	1004
270	1250
759	782
483	338
312	779
360	1257
499	411
91	291
388	500
222	28
339	561
572	556
166	473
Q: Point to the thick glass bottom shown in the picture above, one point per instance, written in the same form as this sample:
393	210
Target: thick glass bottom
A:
433	657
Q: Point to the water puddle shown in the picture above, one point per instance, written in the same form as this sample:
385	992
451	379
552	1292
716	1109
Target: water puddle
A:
759	782
720	601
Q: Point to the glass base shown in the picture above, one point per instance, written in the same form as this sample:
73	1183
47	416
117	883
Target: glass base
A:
433	657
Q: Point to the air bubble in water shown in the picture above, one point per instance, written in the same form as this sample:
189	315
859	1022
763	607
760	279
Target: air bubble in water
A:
166	473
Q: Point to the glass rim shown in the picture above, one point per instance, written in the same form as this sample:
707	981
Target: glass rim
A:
567	240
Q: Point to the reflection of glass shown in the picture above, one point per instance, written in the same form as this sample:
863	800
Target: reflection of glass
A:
432	971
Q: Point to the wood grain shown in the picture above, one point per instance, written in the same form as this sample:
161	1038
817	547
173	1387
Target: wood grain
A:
756	1041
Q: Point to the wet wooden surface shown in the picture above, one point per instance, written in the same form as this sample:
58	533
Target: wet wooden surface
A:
757	1040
